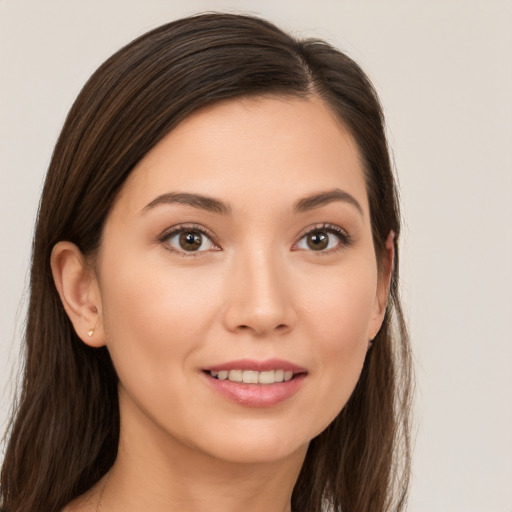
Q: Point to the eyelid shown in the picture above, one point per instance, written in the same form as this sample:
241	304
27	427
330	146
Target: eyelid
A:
179	228
342	234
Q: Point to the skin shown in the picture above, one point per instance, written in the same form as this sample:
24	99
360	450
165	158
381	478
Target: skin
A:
256	291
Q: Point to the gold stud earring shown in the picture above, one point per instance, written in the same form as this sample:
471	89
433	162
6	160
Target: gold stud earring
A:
90	332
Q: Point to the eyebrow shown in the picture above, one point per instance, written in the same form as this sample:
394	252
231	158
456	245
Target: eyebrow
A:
195	200
210	204
317	200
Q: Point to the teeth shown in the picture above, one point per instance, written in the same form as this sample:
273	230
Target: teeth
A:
253	377
235	375
250	377
267	377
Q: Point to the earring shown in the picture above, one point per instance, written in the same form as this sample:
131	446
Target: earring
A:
90	332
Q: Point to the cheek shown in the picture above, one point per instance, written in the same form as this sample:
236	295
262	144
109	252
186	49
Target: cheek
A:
340	322
341	304
153	314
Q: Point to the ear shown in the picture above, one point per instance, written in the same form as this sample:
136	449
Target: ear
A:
384	281
79	292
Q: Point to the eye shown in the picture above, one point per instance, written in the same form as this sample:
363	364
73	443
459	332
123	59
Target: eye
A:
188	240
325	238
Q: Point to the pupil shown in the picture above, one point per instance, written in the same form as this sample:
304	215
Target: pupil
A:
318	241
191	241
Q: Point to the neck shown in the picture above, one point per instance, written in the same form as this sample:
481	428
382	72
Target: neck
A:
155	472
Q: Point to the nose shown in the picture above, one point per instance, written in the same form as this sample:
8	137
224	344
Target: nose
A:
260	298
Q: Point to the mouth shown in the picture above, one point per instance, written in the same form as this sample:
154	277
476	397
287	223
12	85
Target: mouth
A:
257	384
253	376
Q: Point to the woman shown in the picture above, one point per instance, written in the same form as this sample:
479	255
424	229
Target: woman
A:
214	321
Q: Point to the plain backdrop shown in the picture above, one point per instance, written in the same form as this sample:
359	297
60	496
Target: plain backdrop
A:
444	72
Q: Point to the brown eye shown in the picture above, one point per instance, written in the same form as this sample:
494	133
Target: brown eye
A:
317	241
190	240
325	239
186	240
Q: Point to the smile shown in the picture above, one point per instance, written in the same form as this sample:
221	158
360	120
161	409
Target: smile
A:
253	383
252	376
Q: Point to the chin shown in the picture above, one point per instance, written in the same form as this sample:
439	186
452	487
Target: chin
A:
261	441
260	450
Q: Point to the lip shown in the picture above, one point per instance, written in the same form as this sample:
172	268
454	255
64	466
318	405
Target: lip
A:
258	366
256	395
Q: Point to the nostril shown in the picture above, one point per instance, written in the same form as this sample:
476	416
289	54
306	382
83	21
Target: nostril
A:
245	327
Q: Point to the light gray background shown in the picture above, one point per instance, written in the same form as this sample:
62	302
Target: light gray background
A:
443	70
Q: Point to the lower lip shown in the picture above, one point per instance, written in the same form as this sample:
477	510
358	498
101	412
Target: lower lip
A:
257	395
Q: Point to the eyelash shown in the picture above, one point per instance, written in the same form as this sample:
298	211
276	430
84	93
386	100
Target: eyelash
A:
344	238
183	228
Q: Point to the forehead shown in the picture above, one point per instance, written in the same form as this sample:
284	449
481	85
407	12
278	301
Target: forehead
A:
276	148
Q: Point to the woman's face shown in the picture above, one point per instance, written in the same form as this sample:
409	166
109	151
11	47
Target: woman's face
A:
240	249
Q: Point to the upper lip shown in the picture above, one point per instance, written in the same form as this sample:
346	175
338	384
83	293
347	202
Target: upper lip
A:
258	366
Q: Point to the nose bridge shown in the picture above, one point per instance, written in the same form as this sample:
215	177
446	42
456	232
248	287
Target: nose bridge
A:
260	300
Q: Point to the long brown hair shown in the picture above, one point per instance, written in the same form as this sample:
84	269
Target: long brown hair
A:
64	434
